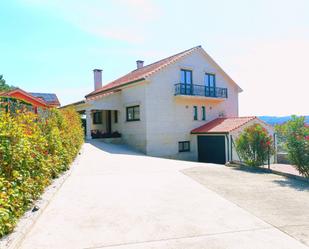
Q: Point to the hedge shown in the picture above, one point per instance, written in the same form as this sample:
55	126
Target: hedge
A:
33	150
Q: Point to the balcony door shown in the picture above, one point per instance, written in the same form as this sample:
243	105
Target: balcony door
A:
210	85
186	82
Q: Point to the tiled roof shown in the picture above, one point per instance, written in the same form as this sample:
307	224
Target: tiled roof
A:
18	90
142	73
49	98
223	125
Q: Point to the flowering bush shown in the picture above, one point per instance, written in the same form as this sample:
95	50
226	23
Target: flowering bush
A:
254	145
296	135
33	150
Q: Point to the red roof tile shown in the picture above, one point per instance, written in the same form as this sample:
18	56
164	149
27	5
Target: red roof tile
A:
223	125
142	73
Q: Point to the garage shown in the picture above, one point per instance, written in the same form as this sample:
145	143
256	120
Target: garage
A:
211	149
215	140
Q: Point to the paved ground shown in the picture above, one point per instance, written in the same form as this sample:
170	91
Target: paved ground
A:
279	201
285	168
120	199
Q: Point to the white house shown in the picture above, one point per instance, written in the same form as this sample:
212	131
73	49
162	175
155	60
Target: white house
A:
184	106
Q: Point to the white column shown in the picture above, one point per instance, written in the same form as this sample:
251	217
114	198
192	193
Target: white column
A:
88	124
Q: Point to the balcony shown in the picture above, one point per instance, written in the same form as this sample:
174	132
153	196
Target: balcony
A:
200	90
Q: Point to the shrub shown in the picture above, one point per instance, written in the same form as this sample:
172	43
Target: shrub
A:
254	145
33	150
296	138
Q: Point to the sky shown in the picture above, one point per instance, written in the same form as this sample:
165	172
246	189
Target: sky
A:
53	45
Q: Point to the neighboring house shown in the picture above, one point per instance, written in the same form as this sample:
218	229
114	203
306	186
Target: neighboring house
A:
161	109
50	99
39	101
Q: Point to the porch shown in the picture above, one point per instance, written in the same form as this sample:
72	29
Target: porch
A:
101	123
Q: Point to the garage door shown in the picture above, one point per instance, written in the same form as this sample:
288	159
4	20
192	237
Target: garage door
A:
211	149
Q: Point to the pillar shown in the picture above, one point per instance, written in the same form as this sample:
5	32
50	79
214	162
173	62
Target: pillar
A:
88	124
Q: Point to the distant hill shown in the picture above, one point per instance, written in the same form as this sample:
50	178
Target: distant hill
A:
273	120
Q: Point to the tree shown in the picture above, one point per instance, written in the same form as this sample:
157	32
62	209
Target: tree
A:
296	134
254	145
3	86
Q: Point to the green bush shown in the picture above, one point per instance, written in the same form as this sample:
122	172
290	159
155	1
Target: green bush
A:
33	150
254	145
296	142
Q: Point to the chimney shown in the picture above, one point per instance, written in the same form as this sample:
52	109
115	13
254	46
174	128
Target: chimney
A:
139	64
97	75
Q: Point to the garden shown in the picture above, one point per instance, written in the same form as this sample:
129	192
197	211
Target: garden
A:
255	145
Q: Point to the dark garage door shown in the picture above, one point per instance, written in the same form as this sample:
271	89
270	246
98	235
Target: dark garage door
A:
211	149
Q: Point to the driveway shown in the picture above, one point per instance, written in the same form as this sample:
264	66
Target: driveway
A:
120	199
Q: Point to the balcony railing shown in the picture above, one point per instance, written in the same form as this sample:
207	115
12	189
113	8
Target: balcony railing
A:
200	90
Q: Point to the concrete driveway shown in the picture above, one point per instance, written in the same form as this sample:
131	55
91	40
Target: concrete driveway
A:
119	199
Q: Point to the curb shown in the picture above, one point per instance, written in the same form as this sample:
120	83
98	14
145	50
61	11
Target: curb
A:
300	178
28	220
288	175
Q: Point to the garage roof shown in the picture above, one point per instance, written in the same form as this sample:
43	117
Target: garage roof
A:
222	125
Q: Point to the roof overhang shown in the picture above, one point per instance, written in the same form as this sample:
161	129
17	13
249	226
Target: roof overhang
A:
210	133
94	94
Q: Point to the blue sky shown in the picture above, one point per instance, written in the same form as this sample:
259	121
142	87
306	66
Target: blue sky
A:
53	45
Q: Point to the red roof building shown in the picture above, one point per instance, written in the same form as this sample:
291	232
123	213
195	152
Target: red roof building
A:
222	125
36	102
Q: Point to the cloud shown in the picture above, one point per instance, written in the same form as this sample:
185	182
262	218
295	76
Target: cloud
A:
123	20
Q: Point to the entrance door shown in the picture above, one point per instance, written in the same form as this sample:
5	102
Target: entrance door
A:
211	149
210	85
109	122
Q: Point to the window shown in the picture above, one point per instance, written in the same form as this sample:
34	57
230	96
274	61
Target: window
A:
97	118
184	146
186	81
133	113
186	76
115	116
210	83
203	113
195	117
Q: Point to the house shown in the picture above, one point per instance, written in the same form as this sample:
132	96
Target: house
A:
50	99
38	101
183	107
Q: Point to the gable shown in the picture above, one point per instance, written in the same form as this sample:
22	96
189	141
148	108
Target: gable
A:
223	73
151	69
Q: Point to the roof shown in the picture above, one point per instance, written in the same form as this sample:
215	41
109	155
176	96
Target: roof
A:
142	73
49	98
74	104
223	125
28	95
